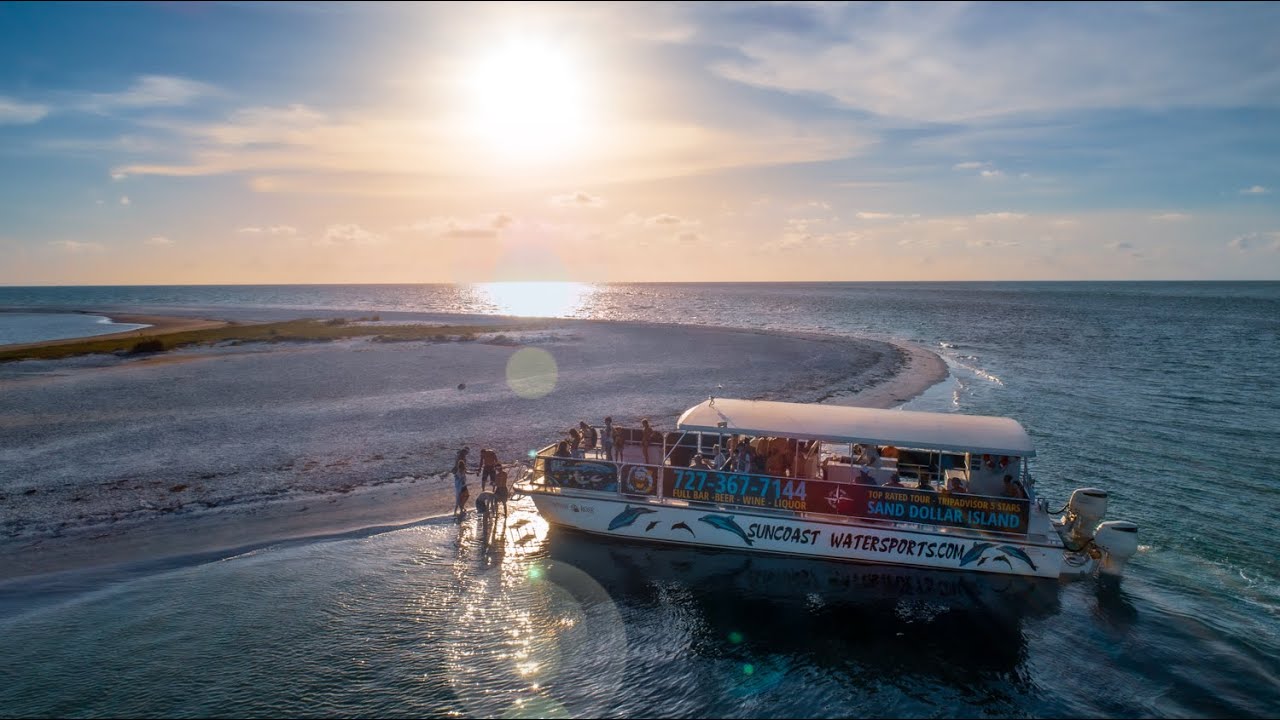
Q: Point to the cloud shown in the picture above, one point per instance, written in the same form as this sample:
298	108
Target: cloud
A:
1255	190
1254	240
991	174
665	219
953	62
349	234
149	91
812	205
999	216
158	241
450	228
689	237
277	230
807	233
16	112
986	242
75	247
864	215
119	175
970	165
124	200
392	151
1171	217
577	199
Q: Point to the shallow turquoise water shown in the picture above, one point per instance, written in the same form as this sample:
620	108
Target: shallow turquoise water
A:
1163	393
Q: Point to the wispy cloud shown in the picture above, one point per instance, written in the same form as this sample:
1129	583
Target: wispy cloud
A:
664	219
124	200
15	112
815	233
1255	240
149	91
578	199
1255	190
924	61
1171	217
278	230
158	241
452	228
76	247
298	148
999	216
349	234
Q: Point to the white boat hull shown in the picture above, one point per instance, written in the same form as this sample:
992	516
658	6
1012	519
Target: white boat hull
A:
737	528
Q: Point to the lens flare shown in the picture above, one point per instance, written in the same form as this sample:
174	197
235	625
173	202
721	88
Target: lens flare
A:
532	373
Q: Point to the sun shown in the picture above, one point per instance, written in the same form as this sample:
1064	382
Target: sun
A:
526	100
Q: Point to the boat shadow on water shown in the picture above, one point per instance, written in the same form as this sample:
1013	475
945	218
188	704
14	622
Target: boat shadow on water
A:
834	614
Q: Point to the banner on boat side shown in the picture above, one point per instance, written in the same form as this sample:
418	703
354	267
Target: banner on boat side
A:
581	474
862	501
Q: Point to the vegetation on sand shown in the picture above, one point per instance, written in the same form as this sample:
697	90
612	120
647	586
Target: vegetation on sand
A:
142	341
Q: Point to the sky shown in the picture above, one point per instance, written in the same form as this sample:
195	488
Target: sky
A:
261	143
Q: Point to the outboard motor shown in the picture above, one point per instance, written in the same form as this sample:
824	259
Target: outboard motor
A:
1084	510
1118	541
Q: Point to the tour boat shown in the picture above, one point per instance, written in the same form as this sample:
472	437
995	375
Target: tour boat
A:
930	490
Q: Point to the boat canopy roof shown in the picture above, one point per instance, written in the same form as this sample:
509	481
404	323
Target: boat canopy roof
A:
838	423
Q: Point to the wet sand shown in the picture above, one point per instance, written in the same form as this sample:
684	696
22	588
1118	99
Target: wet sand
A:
110	460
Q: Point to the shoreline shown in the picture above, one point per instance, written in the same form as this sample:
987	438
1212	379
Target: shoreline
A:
345	501
157	325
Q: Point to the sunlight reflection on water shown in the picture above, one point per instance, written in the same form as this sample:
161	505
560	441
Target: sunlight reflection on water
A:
535	299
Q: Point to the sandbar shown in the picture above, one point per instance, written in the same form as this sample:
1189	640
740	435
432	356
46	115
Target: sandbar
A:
117	460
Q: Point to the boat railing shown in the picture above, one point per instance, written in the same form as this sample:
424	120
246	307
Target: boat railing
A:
816	498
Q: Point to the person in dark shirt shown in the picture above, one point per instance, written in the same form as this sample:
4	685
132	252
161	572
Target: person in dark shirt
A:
588	435
607	439
647	436
488	466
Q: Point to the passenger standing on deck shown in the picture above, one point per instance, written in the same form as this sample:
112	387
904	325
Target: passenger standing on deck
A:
575	442
460	493
619	441
647	436
488	466
608	438
588	436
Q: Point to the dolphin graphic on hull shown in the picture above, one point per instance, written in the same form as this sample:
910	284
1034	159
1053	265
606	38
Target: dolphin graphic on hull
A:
628	516
725	522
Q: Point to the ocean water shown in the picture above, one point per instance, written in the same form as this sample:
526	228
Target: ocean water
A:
1165	394
29	327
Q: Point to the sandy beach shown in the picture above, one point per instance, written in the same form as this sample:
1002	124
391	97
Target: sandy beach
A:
111	460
